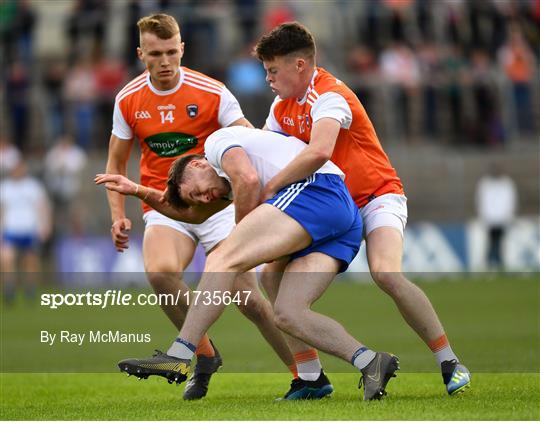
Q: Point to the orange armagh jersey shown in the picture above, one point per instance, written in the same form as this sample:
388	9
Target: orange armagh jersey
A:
358	152
171	123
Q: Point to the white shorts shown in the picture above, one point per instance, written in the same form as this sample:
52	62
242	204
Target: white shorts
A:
388	210
209	233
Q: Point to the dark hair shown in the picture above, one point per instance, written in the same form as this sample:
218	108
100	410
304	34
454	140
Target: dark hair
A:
176	177
287	38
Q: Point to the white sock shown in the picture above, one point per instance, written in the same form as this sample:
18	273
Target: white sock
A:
309	370
362	357
182	349
445	354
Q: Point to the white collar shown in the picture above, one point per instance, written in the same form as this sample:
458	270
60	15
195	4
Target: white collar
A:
169	91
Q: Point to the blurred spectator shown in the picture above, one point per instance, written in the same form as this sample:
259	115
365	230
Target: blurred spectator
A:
63	167
110	76
18	102
496	202
486	121
401	71
85	27
246	79
9	156
456	27
17	22
454	87
277	13
518	64
80	92
247	13
245	75
431	69
53	81
364	74
201	31
26	224
400	17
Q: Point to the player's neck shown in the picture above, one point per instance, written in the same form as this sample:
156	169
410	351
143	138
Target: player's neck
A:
226	188
165	86
306	81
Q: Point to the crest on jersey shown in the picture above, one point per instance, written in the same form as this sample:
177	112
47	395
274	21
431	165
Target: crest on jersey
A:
192	110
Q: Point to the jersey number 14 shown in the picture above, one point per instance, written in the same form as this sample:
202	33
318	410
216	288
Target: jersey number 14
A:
166	117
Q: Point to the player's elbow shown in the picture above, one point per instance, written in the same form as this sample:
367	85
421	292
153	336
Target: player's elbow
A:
321	155
250	181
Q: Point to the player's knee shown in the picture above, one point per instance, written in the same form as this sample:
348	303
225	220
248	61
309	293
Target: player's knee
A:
286	319
391	282
164	281
253	309
221	261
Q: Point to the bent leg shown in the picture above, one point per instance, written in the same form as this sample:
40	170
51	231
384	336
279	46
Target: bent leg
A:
384	252
167	252
298	292
271	276
259	311
252	242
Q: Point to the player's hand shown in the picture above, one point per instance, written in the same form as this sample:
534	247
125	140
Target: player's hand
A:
119	233
117	183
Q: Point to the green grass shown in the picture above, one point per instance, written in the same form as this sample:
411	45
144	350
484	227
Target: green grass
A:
492	322
251	396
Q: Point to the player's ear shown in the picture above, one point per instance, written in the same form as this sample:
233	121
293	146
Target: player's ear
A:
196	163
139	53
182	44
300	64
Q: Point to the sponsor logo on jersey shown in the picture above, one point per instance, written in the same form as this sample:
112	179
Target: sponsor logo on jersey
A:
166	107
192	110
143	115
288	121
171	144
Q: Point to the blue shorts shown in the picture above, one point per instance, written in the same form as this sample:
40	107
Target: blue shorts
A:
325	209
21	242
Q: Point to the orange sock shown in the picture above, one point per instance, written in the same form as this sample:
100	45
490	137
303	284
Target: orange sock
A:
308	365
205	348
438	344
310	354
293	370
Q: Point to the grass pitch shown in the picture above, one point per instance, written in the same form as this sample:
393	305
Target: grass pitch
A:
251	396
492	322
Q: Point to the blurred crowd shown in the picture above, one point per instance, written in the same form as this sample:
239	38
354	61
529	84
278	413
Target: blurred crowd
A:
459	73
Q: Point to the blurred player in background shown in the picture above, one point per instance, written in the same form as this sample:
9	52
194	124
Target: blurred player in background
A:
25	224
171	110
322	111
496	204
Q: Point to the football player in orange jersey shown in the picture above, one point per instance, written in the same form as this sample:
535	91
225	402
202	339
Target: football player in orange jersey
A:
322	111
171	110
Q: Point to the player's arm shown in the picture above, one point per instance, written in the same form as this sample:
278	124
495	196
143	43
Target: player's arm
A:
155	198
119	151
245	184
242	122
319	150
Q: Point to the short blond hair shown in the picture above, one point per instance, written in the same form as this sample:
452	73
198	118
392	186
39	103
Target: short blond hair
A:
162	25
